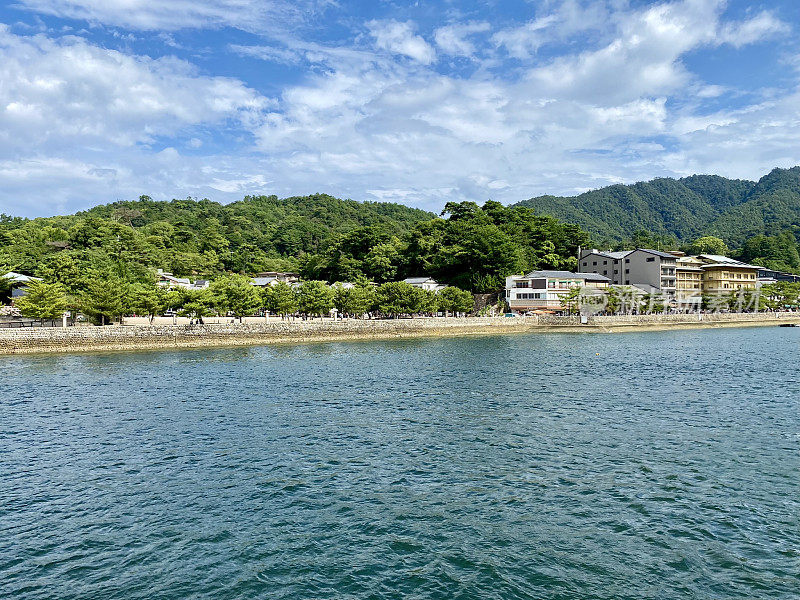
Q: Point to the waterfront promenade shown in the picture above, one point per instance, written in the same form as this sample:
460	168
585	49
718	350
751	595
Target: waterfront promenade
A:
260	331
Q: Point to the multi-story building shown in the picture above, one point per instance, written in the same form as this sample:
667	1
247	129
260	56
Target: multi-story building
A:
688	282
766	276
545	290
723	275
650	270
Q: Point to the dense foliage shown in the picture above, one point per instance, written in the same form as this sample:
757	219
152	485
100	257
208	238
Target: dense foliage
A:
322	237
685	209
193	237
473	248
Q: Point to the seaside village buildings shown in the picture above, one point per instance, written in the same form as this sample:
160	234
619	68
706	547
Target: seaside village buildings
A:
677	280
544	291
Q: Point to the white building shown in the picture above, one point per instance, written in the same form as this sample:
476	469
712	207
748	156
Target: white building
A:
545	290
18	283
425	283
169	281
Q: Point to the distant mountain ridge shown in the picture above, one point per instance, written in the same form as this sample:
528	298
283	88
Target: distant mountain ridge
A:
733	209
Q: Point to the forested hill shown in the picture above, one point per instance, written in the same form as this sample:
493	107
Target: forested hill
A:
687	208
299	223
199	236
319	236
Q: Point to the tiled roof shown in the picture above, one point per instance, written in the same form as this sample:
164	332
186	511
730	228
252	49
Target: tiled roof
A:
658	253
262	281
566	275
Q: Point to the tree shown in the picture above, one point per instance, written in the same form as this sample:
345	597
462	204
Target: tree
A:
104	299
572	300
429	303
235	294
195	304
280	299
62	268
779	295
397	298
150	300
382	260
455	300
613	300
43	301
778	252
315	298
708	245
355	300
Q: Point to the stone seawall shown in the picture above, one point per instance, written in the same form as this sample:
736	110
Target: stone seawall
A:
90	339
139	337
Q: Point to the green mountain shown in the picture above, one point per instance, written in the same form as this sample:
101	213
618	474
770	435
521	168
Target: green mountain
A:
687	208
198	236
319	236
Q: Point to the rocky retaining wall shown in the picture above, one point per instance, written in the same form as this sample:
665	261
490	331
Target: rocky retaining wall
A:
82	339
86	339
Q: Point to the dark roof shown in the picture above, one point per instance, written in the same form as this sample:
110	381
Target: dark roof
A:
659	253
605	253
593	277
564	274
567	275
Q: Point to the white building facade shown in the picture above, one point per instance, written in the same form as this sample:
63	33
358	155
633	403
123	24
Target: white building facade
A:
545	290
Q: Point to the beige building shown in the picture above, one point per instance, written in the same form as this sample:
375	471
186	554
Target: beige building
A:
688	281
723	275
710	275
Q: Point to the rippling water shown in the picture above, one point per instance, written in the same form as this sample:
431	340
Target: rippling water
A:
657	465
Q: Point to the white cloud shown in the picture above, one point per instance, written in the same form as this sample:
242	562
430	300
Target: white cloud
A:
82	124
763	26
643	60
590	117
399	38
452	39
249	15
77	122
567	19
68	93
746	142
521	42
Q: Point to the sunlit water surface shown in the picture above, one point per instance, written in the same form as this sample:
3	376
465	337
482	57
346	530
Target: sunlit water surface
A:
657	465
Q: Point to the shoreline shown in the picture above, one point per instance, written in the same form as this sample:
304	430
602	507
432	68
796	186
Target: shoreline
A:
75	340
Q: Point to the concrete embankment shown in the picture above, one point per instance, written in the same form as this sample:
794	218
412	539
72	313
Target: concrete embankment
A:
143	337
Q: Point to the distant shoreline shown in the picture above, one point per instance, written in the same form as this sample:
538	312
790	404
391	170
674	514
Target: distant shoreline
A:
169	337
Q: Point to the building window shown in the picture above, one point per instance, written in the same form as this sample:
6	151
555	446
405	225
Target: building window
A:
605	262
627	271
627	260
594	264
616	272
651	259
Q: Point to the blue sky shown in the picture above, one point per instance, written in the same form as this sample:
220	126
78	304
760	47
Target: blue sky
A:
418	103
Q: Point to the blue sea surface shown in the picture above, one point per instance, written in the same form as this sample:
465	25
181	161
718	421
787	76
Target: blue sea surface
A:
641	465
